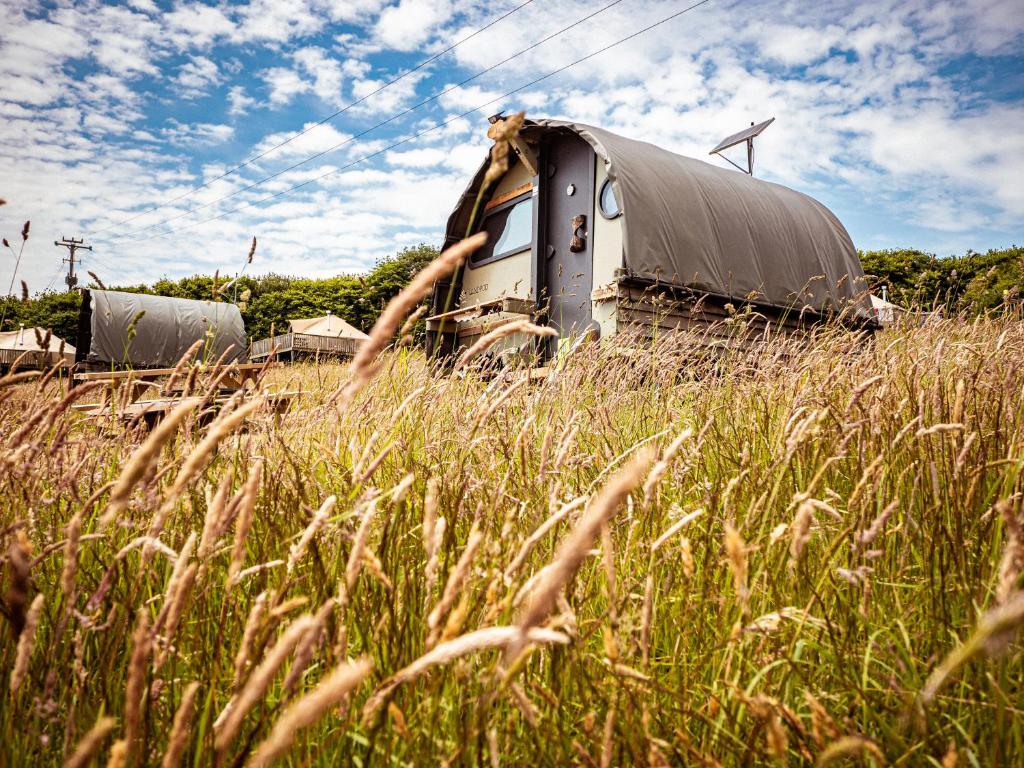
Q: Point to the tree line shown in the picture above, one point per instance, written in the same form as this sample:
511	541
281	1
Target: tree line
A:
267	302
974	282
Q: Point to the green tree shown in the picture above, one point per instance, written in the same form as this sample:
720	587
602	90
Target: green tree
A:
56	311
974	282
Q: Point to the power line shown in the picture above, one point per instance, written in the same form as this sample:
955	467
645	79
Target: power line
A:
54	278
73	246
415	136
372	128
323	121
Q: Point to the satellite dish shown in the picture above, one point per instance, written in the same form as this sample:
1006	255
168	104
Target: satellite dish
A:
746	135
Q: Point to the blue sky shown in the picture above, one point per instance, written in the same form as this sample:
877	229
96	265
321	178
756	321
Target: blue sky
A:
904	118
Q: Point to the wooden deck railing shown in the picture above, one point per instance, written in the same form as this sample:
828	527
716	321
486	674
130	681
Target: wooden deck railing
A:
33	358
303	343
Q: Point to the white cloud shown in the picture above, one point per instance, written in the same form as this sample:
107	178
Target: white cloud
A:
327	73
792	45
197	24
197	75
197	133
284	84
417	158
238	101
408	24
318	138
381	97
277	20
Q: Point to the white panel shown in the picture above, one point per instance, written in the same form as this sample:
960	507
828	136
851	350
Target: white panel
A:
607	248
508	277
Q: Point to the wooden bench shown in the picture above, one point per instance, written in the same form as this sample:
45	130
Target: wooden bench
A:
152	411
134	405
237	373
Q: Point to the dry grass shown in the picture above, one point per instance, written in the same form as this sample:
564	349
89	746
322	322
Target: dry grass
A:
800	554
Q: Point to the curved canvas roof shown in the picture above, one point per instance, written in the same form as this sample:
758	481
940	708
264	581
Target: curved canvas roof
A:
715	230
328	325
164	333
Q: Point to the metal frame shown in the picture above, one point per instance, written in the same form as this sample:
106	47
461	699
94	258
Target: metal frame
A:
600	208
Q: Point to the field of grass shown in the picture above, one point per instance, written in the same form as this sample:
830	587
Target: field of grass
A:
795	554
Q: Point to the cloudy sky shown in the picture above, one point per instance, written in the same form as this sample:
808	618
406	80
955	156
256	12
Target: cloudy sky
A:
907	119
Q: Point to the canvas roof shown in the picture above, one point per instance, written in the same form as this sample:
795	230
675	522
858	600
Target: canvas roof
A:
328	325
714	230
25	340
120	333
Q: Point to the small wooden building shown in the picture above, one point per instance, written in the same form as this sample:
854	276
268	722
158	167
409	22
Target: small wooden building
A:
311	337
34	348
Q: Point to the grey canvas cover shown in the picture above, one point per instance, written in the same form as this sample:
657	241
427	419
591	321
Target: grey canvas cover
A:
714	230
164	333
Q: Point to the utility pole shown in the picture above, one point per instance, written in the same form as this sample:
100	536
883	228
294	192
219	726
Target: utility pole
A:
72	245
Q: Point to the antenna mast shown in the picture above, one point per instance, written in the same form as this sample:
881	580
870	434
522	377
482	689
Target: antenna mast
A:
747	135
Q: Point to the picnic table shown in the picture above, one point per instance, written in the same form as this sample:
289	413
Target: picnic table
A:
132	404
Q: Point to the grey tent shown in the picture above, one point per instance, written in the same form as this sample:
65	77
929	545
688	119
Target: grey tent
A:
606	212
142	331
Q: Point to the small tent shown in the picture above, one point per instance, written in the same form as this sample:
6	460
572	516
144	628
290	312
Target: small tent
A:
14	344
312	336
329	325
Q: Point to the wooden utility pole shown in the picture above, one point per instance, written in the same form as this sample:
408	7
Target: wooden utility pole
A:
72	245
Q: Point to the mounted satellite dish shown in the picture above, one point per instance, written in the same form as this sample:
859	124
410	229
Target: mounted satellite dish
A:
746	135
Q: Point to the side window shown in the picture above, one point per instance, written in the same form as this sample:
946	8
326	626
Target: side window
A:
607	202
509	229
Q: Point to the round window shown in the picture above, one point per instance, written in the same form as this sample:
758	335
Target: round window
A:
608	204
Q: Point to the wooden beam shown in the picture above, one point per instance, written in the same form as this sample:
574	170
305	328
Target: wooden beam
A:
526	155
504	198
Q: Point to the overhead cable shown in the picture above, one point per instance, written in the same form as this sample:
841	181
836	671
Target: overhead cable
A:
401	76
382	123
433	128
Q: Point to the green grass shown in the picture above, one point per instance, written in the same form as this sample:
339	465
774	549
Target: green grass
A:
849	629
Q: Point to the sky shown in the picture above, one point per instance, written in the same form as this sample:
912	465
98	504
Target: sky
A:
905	118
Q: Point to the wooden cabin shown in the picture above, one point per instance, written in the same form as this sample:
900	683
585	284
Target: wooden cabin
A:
311	337
596	234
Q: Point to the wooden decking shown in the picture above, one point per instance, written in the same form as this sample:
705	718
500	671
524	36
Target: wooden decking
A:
33	359
477	319
290	344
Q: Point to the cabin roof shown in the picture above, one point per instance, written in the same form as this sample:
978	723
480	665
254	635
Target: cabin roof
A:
712	229
328	325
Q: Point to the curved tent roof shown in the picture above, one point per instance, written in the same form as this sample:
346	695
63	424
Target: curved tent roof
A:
689	223
142	330
328	325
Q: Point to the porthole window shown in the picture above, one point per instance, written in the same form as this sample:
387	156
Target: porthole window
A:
607	202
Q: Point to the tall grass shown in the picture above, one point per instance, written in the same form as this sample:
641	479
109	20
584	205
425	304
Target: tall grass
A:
665	555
